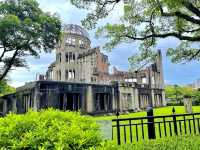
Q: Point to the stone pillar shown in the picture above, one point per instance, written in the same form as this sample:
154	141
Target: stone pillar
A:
114	100
105	102
135	99
83	101
89	99
78	102
163	99
121	102
188	104
26	103
142	101
14	105
5	107
153	98
98	107
36	99
74	101
159	100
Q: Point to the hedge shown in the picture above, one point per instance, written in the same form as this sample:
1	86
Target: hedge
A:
49	129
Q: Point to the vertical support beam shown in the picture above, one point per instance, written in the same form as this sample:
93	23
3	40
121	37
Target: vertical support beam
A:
141	101
158	100
155	100
121	102
163	98
114	100
136	98
74	101
89	99
14	105
5	107
98	101
78	101
83	100
105	102
117	96
25	109
152	97
36	99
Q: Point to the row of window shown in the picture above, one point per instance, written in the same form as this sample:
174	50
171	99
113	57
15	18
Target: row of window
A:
72	42
69	74
69	57
144	80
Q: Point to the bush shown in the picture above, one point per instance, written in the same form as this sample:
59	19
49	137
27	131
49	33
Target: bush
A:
170	143
48	129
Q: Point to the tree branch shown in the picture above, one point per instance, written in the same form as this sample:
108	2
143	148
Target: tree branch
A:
194	55
191	8
165	35
177	14
9	65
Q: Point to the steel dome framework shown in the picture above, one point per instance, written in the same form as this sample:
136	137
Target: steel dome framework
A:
75	29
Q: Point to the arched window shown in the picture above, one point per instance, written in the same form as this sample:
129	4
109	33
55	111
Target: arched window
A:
66	57
81	43
70	41
66	74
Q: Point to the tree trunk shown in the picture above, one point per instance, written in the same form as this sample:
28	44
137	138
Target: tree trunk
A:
9	66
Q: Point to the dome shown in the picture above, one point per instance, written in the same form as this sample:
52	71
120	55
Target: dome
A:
75	29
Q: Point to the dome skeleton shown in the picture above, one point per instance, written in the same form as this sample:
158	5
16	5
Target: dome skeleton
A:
75	29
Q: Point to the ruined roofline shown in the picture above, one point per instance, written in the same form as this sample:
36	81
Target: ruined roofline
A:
77	30
143	70
34	83
129	73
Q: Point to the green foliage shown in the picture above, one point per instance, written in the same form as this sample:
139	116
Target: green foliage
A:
178	143
5	88
25	30
177	93
48	129
148	21
196	97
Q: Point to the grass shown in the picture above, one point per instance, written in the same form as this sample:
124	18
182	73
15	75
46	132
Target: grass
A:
173	143
136	131
157	112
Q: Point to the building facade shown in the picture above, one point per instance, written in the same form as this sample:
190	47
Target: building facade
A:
79	79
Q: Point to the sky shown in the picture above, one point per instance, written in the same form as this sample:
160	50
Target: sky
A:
173	73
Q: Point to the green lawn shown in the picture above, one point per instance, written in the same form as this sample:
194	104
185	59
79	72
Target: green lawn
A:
157	112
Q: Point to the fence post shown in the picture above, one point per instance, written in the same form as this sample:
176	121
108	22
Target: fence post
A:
151	126
174	121
118	133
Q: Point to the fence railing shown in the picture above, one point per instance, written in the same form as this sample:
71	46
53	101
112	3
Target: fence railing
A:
129	130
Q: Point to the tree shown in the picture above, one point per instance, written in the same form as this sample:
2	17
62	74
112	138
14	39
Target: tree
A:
148	21
196	97
5	88
177	92
25	30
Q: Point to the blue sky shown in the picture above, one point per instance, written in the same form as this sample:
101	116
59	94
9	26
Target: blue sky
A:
173	73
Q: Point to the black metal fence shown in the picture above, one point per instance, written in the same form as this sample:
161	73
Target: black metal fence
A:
129	130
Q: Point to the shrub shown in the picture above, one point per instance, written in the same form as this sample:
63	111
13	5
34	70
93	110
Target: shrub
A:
48	129
169	143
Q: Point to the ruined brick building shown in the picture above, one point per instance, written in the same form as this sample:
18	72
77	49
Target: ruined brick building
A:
79	79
